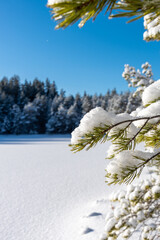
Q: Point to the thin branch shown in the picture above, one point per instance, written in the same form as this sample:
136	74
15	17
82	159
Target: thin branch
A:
145	162
138	132
92	138
133	120
130	121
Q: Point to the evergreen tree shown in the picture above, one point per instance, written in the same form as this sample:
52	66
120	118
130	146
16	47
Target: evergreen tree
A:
4	85
68	101
37	87
14	89
12	123
94	100
73	118
49	106
133	103
6	126
6	103
86	103
125	131
17	121
78	108
30	120
41	105
51	125
26	91
50	89
62	119
58	121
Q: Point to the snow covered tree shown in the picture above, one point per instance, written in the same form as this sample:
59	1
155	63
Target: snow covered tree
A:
142	204
51	89
51	125
68	101
133	103
12	121
17	126
118	103
125	131
58	122
73	117
29	119
33	106
40	102
86	103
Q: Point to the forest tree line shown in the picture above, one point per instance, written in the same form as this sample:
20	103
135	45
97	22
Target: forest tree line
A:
38	107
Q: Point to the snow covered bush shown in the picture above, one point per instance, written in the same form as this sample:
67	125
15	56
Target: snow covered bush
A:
138	207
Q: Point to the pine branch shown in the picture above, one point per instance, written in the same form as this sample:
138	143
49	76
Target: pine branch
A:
91	139
137	8
134	137
100	134
68	12
128	174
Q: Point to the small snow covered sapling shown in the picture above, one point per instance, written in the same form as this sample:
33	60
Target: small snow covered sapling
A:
140	205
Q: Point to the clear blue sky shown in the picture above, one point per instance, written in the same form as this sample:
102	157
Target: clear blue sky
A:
90	58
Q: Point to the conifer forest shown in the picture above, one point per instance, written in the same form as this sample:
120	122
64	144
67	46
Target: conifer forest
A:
38	107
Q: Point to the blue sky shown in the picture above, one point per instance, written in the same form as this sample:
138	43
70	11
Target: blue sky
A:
90	58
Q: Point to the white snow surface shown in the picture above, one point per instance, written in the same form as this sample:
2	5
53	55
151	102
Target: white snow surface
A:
51	2
151	93
49	193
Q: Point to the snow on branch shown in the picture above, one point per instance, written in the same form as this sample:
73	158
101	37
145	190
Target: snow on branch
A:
129	164
99	125
138	79
136	212
151	94
152	26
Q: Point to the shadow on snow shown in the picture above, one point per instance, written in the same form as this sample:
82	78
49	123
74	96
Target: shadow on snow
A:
34	139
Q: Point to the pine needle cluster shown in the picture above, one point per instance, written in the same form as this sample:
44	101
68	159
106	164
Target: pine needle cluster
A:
67	12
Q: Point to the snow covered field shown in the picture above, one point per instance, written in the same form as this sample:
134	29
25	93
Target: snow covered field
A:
49	193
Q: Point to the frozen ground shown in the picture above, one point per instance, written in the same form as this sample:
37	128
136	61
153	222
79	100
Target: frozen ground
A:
49	193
